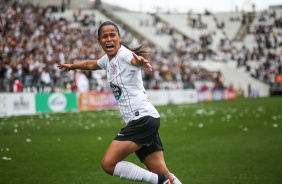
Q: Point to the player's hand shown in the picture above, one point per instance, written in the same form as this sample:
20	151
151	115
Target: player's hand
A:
144	63
65	67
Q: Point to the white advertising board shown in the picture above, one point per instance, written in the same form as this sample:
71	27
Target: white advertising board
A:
164	97
17	104
157	97
25	103
182	96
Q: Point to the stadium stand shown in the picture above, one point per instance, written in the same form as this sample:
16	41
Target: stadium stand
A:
187	50
145	25
229	22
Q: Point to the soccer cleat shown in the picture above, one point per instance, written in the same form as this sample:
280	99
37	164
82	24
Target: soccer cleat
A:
175	180
169	179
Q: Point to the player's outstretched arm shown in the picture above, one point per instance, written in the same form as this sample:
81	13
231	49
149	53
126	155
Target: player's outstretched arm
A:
87	65
141	61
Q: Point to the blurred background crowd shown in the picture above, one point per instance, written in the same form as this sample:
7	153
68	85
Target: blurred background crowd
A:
34	40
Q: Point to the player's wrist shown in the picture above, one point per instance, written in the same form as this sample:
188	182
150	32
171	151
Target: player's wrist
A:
140	63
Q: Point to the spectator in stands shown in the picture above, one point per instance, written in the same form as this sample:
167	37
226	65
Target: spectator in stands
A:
140	135
204	88
219	80
254	8
74	86
157	86
5	76
231	88
45	78
82	82
66	88
249	90
278	80
17	86
63	6
98	81
207	12
215	87
244	18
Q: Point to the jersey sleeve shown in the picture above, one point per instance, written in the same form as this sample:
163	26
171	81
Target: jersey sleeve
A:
127	59
102	62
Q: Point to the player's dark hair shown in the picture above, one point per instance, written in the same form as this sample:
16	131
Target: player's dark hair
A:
139	50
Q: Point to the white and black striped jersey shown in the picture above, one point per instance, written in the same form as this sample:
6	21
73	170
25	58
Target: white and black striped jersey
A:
127	86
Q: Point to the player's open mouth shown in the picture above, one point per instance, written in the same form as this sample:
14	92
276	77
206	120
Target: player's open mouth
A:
110	47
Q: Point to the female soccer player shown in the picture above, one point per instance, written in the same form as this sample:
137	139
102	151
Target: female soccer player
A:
140	135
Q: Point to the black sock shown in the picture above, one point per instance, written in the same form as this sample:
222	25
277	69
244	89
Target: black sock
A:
161	179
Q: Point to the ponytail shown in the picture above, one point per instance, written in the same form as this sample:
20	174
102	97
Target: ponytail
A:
139	50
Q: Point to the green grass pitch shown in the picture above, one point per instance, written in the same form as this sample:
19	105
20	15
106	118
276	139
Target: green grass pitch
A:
234	142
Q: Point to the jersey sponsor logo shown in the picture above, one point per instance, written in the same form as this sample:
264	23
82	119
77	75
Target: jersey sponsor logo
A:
116	90
136	113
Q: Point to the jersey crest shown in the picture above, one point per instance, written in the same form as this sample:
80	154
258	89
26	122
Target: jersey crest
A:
113	70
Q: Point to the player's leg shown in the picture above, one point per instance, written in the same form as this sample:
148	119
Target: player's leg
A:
153	158
112	163
155	163
117	151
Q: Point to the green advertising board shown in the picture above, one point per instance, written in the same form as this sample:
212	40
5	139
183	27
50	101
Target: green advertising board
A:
55	102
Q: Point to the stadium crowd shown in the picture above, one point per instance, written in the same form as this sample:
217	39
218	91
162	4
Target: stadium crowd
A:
264	60
268	51
33	42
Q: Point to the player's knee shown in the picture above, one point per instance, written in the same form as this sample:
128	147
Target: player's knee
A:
108	166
